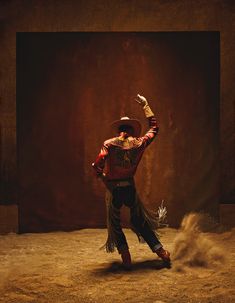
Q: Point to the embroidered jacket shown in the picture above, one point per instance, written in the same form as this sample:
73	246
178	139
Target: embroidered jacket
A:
119	157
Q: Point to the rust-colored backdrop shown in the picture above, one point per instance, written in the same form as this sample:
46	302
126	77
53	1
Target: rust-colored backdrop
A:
71	86
111	16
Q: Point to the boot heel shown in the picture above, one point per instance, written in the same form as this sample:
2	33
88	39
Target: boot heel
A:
126	259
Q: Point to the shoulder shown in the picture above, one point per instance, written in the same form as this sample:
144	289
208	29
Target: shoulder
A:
137	141
110	142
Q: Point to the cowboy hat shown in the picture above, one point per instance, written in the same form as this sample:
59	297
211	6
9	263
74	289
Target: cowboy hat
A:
134	123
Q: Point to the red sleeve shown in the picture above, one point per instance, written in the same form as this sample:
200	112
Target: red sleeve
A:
99	163
152	132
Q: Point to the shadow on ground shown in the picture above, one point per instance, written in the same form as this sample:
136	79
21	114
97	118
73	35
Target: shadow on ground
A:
117	267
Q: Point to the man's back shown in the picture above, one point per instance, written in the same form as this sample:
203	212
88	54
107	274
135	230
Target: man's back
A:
122	154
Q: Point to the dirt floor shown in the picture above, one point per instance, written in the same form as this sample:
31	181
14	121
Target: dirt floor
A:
69	267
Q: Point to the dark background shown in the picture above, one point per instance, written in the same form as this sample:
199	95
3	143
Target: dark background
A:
71	86
75	16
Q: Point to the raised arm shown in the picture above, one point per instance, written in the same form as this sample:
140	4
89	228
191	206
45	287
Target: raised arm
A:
153	127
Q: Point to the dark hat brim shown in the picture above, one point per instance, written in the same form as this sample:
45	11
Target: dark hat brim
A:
134	123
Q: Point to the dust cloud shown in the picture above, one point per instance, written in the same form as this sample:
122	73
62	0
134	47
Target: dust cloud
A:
193	247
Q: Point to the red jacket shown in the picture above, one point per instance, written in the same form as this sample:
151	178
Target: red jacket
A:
122	155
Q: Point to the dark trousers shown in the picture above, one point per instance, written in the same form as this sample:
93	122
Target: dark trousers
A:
127	196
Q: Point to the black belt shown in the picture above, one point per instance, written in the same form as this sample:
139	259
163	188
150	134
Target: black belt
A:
121	182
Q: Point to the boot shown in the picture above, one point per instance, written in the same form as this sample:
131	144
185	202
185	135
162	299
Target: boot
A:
126	259
163	254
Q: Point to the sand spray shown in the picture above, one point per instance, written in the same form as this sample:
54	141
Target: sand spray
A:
192	247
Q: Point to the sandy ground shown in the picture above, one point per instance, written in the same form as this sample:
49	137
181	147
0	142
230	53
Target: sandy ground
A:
69	267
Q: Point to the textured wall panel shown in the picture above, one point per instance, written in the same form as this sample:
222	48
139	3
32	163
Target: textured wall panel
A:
47	16
71	86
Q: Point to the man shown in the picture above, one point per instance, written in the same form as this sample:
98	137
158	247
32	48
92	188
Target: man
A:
116	165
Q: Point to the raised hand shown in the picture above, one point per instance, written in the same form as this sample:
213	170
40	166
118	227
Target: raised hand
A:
141	100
